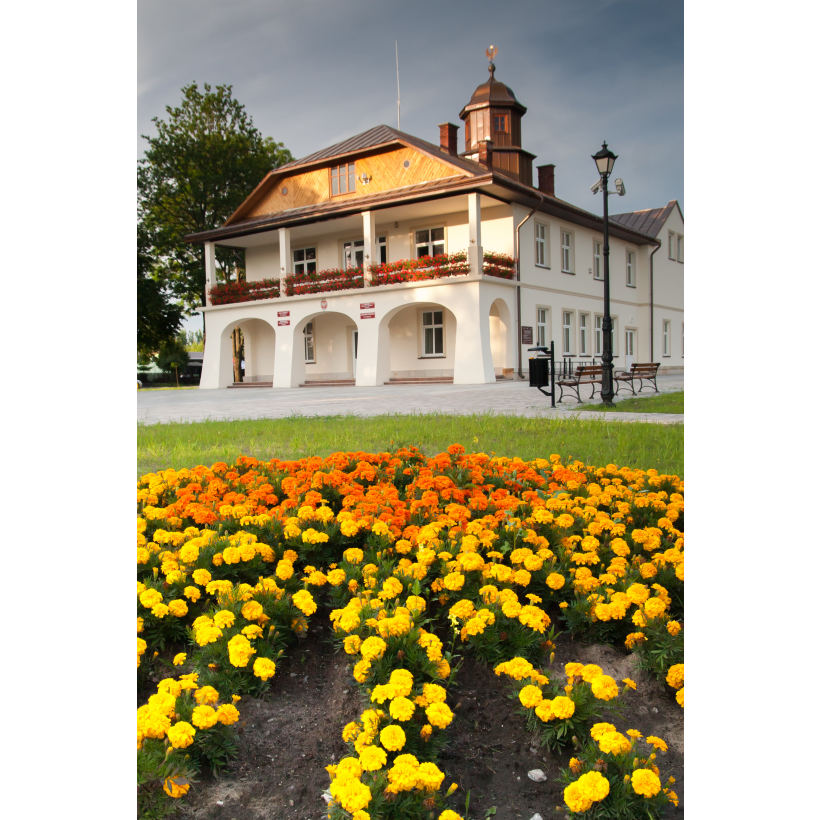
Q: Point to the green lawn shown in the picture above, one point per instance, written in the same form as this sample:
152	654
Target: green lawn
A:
653	403
172	387
638	445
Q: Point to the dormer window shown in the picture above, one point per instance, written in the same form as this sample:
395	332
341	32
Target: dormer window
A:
500	123
343	179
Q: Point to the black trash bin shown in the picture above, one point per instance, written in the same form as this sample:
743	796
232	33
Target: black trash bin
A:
542	370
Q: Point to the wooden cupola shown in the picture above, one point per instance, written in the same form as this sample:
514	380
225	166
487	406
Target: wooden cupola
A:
494	113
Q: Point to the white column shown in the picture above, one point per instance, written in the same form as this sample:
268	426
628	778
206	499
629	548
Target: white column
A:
474	356
369	219
289	361
373	362
210	270
475	253
285	258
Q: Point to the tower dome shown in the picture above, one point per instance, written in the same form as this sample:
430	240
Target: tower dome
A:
494	113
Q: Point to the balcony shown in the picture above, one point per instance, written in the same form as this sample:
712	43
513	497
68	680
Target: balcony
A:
424	268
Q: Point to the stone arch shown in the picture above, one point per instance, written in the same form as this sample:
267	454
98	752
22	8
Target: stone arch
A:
260	350
332	343
412	347
502	338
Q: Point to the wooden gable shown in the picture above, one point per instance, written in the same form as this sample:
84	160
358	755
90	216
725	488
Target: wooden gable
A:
386	169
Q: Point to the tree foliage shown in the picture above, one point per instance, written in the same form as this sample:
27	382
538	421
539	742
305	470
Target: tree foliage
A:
205	159
158	319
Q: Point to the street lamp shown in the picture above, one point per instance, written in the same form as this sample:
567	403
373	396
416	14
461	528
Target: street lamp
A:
605	161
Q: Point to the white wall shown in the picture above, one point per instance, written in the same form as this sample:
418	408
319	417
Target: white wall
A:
332	347
260	349
406	360
669	297
262	262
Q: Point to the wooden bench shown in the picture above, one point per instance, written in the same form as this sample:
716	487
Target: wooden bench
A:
584	374
647	371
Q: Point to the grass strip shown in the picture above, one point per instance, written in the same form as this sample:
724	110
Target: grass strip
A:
186	444
656	403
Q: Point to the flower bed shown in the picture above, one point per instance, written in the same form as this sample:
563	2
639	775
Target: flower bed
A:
417	270
233	292
324	281
499	264
416	561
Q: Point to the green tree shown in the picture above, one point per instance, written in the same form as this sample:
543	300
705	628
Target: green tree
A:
172	356
204	161
158	319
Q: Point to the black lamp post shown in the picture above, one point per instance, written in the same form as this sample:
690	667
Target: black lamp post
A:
605	160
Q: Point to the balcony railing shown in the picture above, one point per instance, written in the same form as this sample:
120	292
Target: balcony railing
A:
232	292
338	279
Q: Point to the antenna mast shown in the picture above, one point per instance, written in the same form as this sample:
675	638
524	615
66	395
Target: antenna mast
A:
398	87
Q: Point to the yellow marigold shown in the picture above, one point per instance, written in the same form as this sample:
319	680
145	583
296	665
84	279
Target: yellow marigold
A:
645	782
674	677
429	776
634	638
591	671
563	707
352	644
439	714
227	714
206	694
303	600
181	735
284	570
336	577
543	710
659	744
415	603
240	650
372	758
264	668
192	594
577	800
679	697
594	785
373	648
204	717
350	732
637	593
402	709
402	682
252	610
392	738
150	598
224	618
654	607
361	670
629	683
601	729
353	555
530	696
175	786
179	658
604	687
673	627
614	743
555	580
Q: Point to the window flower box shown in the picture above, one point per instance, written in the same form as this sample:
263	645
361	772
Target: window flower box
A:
417	270
233	292
324	281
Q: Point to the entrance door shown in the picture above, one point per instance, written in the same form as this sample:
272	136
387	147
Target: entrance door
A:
354	254
354	348
630	348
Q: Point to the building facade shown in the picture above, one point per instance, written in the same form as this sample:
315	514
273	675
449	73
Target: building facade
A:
386	258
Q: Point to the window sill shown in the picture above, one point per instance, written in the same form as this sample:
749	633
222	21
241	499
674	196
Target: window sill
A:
631	286
570	272
545	267
438	356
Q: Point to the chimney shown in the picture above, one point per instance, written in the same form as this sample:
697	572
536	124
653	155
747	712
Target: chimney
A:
546	179
485	153
448	137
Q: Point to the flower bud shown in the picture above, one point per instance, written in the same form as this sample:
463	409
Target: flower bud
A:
452	788
626	778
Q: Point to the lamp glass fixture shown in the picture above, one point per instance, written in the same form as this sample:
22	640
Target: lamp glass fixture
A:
605	161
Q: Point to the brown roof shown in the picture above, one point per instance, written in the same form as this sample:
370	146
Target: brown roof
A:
648	222
493	92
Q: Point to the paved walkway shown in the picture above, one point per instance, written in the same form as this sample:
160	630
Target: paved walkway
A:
511	397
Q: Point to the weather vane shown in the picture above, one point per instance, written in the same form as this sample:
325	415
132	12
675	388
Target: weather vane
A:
491	52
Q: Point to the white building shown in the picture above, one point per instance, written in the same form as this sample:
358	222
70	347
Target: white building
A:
341	230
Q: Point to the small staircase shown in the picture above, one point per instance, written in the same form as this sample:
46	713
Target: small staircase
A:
423	380
330	383
250	384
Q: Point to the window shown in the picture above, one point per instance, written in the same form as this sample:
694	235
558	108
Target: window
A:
304	260
680	248
500	123
566	252
429	242
433	332
567	332
541	325
671	245
597	266
666	340
599	335
354	254
681	340
310	350
630	269
541	251
583	330
381	250
343	179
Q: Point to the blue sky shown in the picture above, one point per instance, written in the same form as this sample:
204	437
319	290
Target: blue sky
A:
318	71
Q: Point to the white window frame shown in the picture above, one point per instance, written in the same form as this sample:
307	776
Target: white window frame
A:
583	334
598	332
433	326
681	340
631	277
430	243
567	255
305	262
680	247
541	337
672	255
310	343
381	250
567	332
598	260
667	338
355	245
634	332
543	244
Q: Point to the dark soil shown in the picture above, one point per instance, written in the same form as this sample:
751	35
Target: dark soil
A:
288	738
